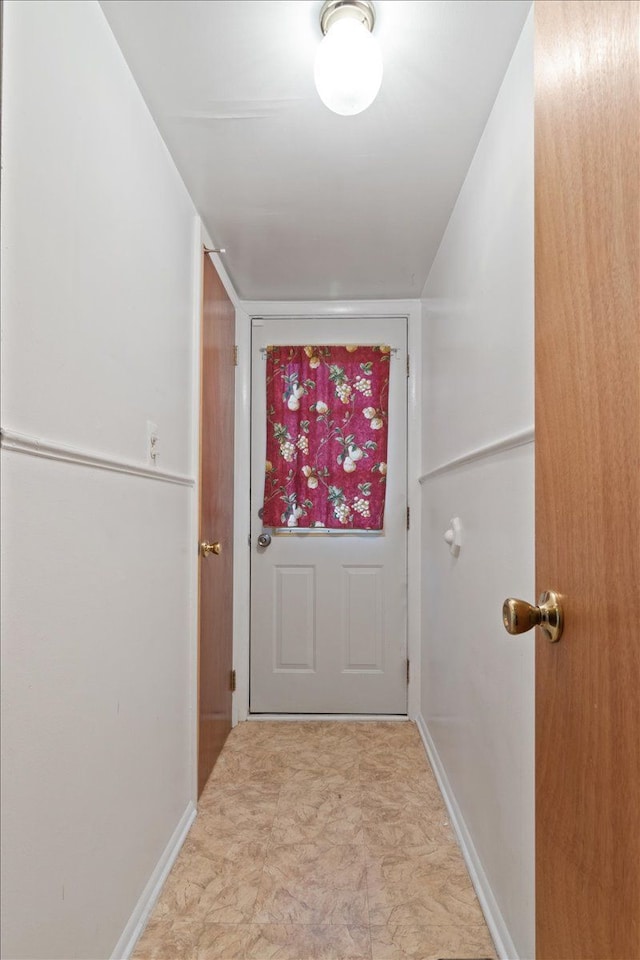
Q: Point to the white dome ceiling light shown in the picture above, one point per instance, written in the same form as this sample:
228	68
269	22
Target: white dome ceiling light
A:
348	69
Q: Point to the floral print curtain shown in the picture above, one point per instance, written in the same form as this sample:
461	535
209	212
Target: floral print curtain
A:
327	418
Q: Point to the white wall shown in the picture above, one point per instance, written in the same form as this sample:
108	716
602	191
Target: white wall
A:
477	683
98	318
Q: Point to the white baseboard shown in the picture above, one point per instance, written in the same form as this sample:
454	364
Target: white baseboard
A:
138	919
342	717
493	916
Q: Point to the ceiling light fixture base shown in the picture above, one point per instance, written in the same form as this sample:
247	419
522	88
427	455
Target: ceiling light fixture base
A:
334	10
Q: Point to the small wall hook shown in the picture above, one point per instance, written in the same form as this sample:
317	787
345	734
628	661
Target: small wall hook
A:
453	536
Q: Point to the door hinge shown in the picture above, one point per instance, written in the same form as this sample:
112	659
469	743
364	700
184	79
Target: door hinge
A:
407	673
235	356
408	517
408	365
232	681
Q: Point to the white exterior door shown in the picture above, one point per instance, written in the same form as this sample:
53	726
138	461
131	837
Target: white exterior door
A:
329	609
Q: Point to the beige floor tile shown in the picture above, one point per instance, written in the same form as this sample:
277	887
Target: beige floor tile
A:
315	776
380	734
313	883
165	940
402	800
231	848
190	940
393	764
220	888
234	796
259	730
409	837
278	737
431	943
297	941
237	811
433	889
234	767
320	757
335	742
263	737
209	840
307	833
302	760
331	734
319	814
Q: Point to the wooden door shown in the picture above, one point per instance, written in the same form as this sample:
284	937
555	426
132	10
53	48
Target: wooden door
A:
216	522
587	478
328	624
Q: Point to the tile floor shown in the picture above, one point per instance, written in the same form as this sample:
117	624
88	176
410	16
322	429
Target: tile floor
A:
319	841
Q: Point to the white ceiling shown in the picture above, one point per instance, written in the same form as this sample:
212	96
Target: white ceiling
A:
308	204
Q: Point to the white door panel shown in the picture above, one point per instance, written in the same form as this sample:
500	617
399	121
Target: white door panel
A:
328	609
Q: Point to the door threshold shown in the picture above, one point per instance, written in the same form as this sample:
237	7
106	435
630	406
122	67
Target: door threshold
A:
342	717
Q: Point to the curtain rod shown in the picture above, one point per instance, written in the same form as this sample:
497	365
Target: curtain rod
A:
393	350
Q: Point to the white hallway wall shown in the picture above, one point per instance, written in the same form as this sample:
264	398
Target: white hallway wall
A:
477	683
97	582
98	245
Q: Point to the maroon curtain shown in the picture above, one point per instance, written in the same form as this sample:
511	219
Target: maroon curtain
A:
327	419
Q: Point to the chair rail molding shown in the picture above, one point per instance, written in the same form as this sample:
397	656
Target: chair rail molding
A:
519	439
52	450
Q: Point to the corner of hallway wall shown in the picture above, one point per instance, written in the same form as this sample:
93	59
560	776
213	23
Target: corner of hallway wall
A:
98	308
477	684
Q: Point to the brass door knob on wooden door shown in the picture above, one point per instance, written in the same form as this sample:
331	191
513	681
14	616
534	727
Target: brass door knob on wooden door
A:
519	616
207	548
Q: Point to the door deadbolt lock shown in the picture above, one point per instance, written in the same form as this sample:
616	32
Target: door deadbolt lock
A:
207	548
264	539
519	616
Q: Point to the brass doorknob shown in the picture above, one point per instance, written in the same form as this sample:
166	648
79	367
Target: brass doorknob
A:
519	616
207	548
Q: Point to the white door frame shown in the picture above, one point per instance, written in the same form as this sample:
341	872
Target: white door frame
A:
245	312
